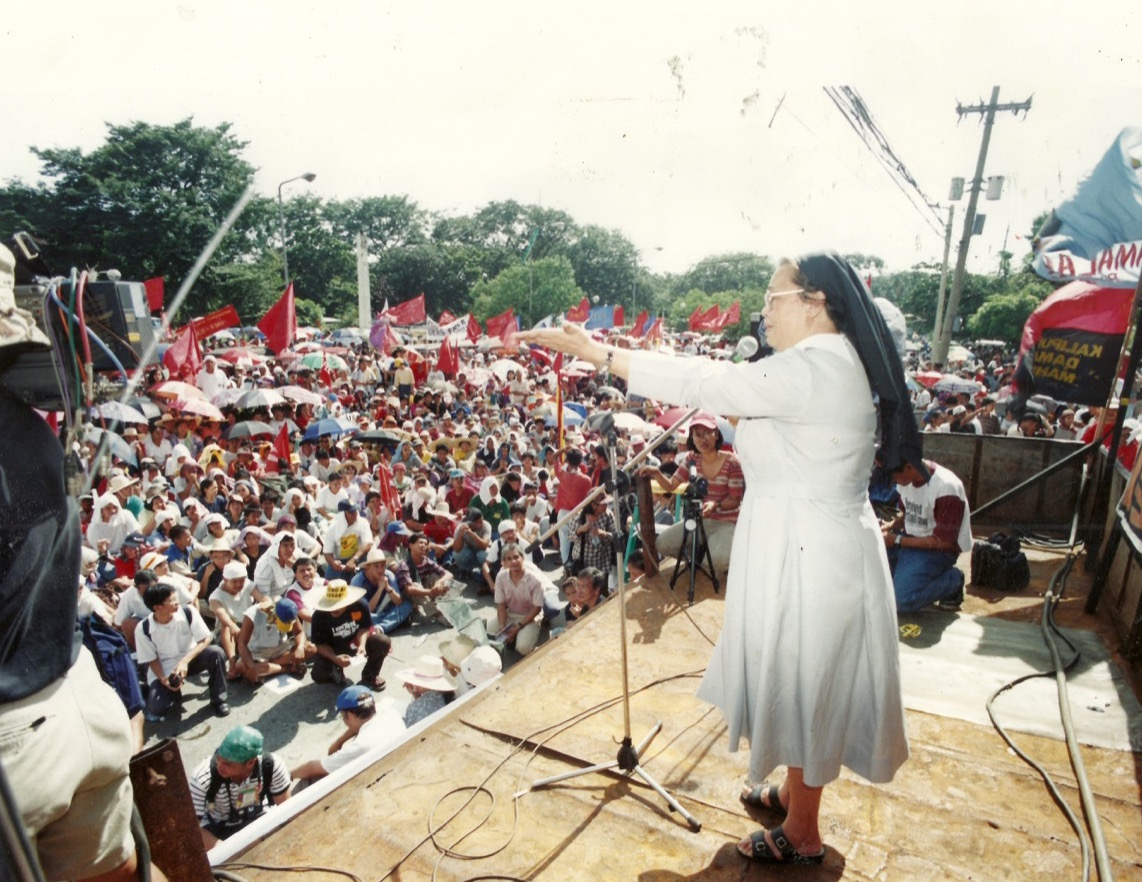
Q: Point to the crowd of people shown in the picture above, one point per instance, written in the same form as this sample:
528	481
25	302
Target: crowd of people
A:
329	506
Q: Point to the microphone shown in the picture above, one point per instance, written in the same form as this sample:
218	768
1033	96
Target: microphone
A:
746	349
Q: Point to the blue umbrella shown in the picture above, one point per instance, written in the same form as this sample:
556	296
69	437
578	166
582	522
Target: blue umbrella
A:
329	426
570	417
116	445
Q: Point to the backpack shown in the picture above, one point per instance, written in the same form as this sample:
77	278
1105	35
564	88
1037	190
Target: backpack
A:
147	622
999	563
113	658
267	763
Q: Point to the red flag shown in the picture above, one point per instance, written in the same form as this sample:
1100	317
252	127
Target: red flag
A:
184	358
706	321
474	329
154	289
654	332
868	278
579	313
277	460
557	365
640	324
418	365
226	317
388	490
497	323
619	317
325	376
448	360
411	312
280	323
508	334
446	318
730	317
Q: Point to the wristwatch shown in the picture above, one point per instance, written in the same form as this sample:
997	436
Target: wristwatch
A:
899	540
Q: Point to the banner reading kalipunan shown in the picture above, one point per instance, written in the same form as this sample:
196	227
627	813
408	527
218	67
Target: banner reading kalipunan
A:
1071	343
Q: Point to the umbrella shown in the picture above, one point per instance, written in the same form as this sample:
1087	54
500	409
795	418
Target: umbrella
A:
670	416
952	383
222	335
611	392
194	407
382	436
248	429
329	426
118	447
632	422
146	407
570	418
957	353
174	389
300	395
118	412
258	398
315	360
578	364
928	378
501	366
309	346
227	397
240	352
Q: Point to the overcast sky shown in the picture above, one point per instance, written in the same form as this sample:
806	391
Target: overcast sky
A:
656	119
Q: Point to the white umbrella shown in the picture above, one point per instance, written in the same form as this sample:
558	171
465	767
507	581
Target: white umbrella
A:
116	411
632	422
501	366
259	398
301	395
958	354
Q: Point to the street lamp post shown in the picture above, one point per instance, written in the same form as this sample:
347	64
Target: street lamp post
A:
309	178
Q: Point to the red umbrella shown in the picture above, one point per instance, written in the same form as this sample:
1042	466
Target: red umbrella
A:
232	355
928	378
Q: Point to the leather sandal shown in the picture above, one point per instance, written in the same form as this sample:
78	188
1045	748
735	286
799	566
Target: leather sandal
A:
763	853
766	796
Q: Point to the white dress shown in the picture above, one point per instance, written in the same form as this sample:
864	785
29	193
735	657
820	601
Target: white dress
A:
807	665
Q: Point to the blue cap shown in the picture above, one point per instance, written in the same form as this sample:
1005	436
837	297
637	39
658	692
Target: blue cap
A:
455	473
354	698
399	528
286	610
346	505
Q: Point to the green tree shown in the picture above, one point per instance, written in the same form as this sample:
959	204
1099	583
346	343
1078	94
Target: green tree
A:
1002	316
739	271
320	256
605	264
543	287
145	202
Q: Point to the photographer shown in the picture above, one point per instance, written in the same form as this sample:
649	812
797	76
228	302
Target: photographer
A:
66	738
725	488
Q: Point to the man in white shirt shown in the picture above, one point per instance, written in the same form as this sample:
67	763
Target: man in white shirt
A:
174	643
346	542
366	730
211	380
925	541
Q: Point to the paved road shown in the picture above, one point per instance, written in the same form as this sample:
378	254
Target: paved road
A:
298	718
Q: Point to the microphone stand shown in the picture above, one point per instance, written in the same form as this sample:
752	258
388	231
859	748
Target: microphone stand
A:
628	757
601	418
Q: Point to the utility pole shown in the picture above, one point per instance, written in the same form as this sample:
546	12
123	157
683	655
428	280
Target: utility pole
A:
943	275
941	344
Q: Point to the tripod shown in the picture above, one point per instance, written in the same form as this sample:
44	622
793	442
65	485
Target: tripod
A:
695	548
628	757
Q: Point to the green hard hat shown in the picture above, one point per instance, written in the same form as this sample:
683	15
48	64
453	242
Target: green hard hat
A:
241	745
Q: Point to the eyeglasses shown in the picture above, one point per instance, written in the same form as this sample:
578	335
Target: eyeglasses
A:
770	296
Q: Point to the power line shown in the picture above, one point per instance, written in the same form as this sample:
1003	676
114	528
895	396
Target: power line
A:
859	118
